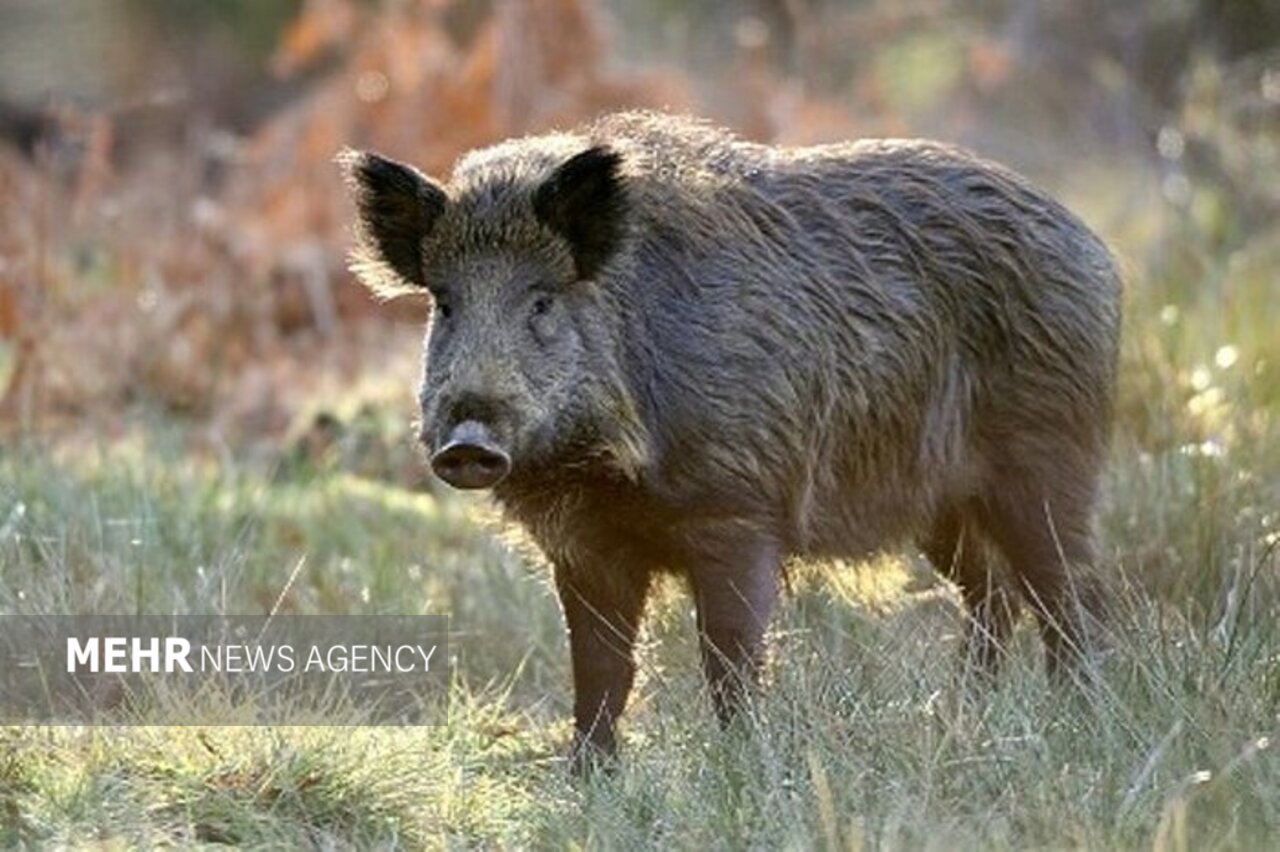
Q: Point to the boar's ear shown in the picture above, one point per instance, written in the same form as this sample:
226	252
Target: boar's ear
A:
583	201
396	205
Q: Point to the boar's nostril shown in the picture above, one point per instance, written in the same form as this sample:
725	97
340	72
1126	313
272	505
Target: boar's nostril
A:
470	458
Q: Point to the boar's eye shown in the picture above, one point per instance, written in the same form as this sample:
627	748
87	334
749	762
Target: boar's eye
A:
443	308
541	306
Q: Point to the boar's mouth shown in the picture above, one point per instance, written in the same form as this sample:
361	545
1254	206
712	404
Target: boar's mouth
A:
470	458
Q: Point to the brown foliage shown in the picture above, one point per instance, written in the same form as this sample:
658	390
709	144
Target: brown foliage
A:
20	248
214	298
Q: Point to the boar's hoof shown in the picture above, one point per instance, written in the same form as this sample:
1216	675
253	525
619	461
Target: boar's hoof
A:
470	458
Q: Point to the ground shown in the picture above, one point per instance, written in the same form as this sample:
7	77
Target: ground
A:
869	731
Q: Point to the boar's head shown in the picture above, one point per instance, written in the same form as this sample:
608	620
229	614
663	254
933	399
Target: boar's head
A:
521	364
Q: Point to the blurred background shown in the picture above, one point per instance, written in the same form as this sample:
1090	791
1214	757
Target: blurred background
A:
173	230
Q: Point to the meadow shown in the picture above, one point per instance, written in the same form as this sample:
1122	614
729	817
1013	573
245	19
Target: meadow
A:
201	413
869	733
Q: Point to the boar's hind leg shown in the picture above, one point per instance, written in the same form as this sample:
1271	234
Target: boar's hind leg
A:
1045	535
735	587
602	609
957	553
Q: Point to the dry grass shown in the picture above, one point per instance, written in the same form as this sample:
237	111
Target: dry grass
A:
867	735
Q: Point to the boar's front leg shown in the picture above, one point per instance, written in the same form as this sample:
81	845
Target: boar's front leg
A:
602	609
735	586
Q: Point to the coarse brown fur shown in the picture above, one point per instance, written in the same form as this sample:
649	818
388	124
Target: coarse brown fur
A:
706	356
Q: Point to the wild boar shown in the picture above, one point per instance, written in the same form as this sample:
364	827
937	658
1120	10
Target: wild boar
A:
666	349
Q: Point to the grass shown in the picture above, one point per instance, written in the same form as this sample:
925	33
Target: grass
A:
868	733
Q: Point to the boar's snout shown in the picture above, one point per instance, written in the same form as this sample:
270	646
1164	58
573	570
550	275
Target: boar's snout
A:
470	458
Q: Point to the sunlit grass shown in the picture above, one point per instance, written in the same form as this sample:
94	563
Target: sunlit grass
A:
869	731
